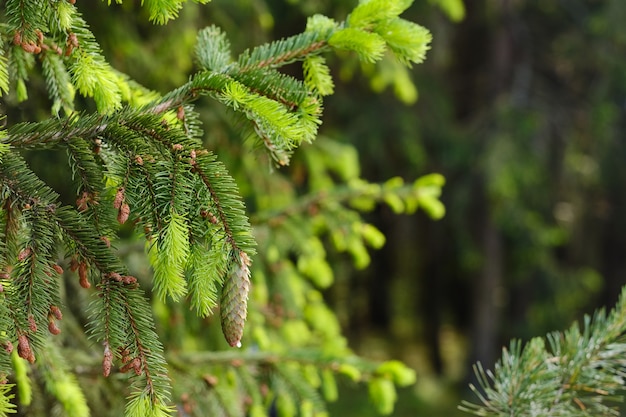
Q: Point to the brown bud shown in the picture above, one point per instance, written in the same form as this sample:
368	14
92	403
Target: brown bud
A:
107	360
57	268
139	160
123	213
25	253
28	47
17	38
53	328
56	312
211	380
177	147
72	40
74	264
82	201
32	325
180	113
115	276
131	363
137	366
128	280
23	348
8	347
119	198
82	275
106	241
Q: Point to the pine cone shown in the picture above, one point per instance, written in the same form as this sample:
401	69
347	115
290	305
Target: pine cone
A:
234	301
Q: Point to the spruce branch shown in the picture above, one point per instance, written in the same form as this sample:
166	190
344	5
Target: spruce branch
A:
579	374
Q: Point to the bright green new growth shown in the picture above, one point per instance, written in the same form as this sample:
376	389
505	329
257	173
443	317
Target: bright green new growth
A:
140	162
168	256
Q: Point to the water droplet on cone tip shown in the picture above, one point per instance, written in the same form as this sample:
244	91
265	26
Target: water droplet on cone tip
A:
238	344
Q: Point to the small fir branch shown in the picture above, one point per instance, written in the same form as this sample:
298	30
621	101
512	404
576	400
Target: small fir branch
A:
274	85
370	12
213	49
61	382
299	387
90	72
168	255
4	71
58	82
229	208
126	328
20	64
25	18
408	41
369	46
579	375
6	399
206	270
282	52
317	75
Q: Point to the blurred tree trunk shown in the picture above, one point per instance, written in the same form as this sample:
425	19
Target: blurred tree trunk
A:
487	303
487	297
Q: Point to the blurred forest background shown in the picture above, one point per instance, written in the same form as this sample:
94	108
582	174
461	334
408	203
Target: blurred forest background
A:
521	107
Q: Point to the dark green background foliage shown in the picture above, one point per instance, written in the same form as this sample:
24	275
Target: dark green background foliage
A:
521	108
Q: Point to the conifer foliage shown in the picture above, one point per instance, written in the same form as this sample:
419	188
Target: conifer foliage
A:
578	372
139	162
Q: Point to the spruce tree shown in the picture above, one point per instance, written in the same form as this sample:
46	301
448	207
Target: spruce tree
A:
139	167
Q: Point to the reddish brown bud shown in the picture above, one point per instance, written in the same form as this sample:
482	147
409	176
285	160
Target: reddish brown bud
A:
25	253
82	275
82	201
123	213
115	276
106	241
137	366
129	280
74	264
23	348
134	364
211	380
53	328
8	347
119	198
29	47
72	40
139	160
180	113
57	268
177	147
17	38
32	325
56	312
